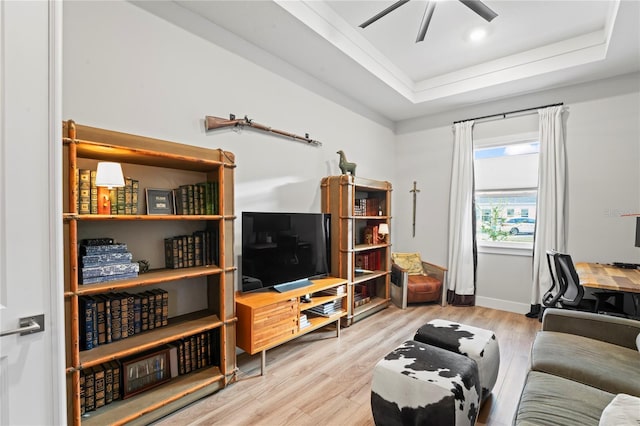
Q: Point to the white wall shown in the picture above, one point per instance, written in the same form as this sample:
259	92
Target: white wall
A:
128	70
603	151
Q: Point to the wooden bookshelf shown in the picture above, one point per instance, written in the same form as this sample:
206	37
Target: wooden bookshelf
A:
206	293
356	205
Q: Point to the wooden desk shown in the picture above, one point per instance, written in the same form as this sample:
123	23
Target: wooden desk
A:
607	277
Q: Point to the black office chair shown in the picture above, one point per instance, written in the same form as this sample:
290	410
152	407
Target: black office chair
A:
570	294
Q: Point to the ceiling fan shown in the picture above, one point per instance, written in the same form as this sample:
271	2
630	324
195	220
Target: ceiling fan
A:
476	5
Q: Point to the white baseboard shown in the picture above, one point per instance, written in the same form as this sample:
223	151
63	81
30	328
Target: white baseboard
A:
503	305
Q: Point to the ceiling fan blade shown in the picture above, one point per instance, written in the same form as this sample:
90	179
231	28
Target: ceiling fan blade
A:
383	13
426	19
480	8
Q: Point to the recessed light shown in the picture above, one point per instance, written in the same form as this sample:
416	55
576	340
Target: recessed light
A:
477	35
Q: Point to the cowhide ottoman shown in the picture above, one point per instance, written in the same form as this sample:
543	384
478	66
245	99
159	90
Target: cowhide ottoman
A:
476	343
420	384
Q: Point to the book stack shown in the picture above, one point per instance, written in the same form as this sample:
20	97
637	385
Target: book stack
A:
369	260
327	309
304	321
100	386
111	317
371	235
186	251
366	207
198	199
361	295
335	291
197	351
101	260
123	200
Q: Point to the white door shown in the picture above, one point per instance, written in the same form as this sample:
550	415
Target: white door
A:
32	378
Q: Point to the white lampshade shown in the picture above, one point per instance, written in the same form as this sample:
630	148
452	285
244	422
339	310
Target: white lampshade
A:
109	174
383	229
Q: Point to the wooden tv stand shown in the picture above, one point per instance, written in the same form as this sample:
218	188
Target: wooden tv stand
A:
267	319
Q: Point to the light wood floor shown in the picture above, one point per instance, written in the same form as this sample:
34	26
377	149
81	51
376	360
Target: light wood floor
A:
321	380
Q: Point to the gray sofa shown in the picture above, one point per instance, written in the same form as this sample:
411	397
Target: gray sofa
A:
580	361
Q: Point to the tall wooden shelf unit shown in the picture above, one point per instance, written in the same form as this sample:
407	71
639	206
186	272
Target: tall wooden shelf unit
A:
162	163
357	204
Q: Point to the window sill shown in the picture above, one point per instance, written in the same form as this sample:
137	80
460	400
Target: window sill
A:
510	249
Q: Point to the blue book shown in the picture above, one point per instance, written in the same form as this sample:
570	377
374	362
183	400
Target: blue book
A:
88	323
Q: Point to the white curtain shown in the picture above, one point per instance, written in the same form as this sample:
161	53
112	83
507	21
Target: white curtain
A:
462	250
550	216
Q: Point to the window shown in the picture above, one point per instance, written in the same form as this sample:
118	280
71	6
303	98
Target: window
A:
506	176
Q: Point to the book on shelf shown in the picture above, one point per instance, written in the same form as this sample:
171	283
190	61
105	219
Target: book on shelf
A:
100	241
107	316
117	379
360	299
195	353
124	315
102	248
99	391
88	323
304	321
128	188
101	319
335	291
130	313
164	303
84	191
187	355
82	393
151	310
144	311
93	203
181	358
327	309
135	190
89	389
109	269
173	359
104	279
105	259
113	200
116	317
120	200
137	314
108	383
159	309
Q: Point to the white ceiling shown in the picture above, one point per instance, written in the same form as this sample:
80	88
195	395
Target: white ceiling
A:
531	46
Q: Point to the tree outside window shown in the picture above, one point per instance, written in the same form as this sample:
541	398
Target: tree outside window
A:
506	192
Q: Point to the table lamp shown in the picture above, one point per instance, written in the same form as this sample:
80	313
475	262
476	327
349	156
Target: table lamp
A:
108	176
383	231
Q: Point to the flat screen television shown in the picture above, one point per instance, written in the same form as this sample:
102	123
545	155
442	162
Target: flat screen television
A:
283	251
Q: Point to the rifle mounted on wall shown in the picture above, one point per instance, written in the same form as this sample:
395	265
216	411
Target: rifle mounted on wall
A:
212	123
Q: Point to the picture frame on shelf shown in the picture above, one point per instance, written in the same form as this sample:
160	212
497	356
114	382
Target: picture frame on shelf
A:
145	372
160	201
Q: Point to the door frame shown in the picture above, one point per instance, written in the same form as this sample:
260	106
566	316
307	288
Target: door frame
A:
57	360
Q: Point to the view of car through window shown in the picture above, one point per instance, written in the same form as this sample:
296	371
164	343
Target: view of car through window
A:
519	225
